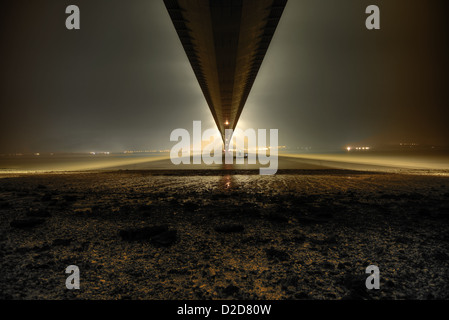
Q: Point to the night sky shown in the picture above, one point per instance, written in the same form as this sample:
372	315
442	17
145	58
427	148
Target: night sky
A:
123	82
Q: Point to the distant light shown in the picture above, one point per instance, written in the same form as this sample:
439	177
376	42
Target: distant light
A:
227	123
348	148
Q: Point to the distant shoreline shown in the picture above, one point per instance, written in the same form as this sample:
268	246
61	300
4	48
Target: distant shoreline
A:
288	164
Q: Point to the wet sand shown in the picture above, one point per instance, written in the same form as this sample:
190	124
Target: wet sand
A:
406	162
224	234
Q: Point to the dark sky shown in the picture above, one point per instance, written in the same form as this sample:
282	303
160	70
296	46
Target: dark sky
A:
123	82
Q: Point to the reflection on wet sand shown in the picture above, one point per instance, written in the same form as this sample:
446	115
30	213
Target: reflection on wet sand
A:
226	180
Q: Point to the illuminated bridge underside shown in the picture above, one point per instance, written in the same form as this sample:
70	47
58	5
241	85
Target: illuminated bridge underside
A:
225	42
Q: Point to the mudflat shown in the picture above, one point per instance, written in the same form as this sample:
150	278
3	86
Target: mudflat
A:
205	234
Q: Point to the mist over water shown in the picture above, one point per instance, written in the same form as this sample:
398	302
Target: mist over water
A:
123	81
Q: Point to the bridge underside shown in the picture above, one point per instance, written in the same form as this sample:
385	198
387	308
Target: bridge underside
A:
225	42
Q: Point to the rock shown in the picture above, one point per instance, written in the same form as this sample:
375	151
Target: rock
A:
126	209
190	206
328	265
146	209
231	290
165	239
275	254
302	296
277	217
26	223
83	247
391	196
441	256
306	221
96	209
356	286
325	214
70	198
230	228
442	213
331	240
46	197
39	213
290	281
299	239
42	248
145	233
390	284
178	271
403	240
5	205
62	242
6	296
218	196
